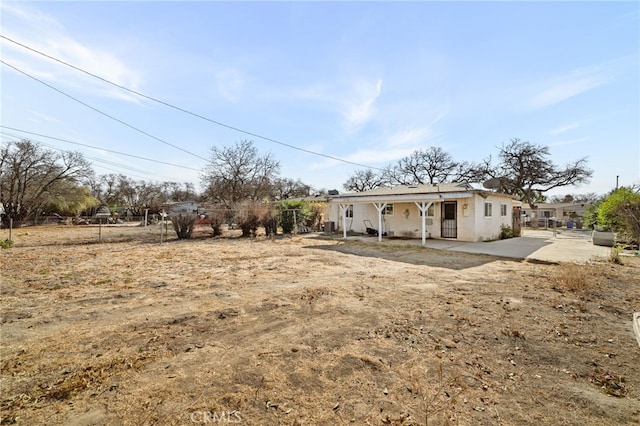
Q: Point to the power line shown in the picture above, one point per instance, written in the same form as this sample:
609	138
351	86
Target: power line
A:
112	163
101	112
100	148
218	123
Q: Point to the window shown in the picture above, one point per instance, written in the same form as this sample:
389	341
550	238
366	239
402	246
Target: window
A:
503	210
388	210
349	211
488	209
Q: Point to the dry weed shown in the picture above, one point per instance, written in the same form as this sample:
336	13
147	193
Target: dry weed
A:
578	278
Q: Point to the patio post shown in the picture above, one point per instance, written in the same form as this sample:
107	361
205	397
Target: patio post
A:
380	207
344	208
423	207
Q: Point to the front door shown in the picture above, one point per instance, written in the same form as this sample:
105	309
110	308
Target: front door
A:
449	221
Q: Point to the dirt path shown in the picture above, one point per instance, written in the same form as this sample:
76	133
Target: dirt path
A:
307	330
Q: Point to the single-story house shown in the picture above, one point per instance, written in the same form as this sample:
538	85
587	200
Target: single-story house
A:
563	213
458	211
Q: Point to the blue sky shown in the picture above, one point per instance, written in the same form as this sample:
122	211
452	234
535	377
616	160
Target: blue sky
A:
366	82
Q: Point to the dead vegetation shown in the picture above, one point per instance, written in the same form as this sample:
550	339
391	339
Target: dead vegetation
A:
308	331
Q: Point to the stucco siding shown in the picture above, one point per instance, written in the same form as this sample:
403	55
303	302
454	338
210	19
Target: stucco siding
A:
466	217
488	227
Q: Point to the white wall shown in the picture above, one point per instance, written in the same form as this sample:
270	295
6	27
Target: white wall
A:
488	227
472	225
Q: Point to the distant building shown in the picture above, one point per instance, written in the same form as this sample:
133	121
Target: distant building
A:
564	214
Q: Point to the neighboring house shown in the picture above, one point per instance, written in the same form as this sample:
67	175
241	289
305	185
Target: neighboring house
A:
564	214
454	211
181	207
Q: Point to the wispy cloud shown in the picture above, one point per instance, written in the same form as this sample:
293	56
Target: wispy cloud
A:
571	84
359	105
39	117
28	25
566	87
563	129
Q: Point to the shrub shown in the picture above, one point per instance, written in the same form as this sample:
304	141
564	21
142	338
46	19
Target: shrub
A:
5	244
292	213
620	212
506	232
270	223
183	224
249	219
216	221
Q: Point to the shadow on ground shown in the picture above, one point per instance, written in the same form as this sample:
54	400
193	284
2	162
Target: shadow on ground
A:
414	255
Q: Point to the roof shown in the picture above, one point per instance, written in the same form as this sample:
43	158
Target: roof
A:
415	192
547	206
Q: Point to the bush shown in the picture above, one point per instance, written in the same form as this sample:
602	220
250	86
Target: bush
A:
216	221
506	232
293	213
270	223
5	244
183	224
620	212
250	218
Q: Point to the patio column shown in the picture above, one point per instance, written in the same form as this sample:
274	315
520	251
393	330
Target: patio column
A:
344	208
423	207
380	207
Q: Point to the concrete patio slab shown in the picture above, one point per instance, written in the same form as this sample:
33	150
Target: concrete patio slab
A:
565	245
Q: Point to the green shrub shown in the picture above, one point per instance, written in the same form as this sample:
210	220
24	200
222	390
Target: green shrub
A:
292	213
5	244
506	232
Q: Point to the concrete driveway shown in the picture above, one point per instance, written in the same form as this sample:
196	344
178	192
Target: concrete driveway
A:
565	245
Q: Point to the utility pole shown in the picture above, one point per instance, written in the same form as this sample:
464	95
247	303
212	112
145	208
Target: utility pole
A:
617	177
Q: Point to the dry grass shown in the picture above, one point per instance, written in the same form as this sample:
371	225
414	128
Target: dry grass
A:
583	279
307	330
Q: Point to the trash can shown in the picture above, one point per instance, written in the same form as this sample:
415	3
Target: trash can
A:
329	226
569	224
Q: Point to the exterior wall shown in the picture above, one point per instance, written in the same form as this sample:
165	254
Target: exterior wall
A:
489	227
406	221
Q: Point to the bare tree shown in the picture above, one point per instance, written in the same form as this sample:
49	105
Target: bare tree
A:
526	171
29	174
363	180
286	188
238	173
427	166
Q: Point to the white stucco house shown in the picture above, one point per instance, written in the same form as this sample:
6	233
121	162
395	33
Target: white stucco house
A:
457	211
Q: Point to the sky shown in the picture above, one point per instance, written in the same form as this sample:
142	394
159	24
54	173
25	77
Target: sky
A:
325	88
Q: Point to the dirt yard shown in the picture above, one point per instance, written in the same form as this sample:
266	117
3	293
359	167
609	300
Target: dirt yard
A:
308	330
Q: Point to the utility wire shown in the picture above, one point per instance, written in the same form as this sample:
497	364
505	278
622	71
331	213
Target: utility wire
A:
99	147
111	163
103	113
218	123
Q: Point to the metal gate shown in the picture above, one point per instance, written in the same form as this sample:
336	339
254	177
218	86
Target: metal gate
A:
449	219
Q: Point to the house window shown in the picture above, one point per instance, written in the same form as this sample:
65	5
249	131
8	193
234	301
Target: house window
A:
503	210
388	210
488	209
349	211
